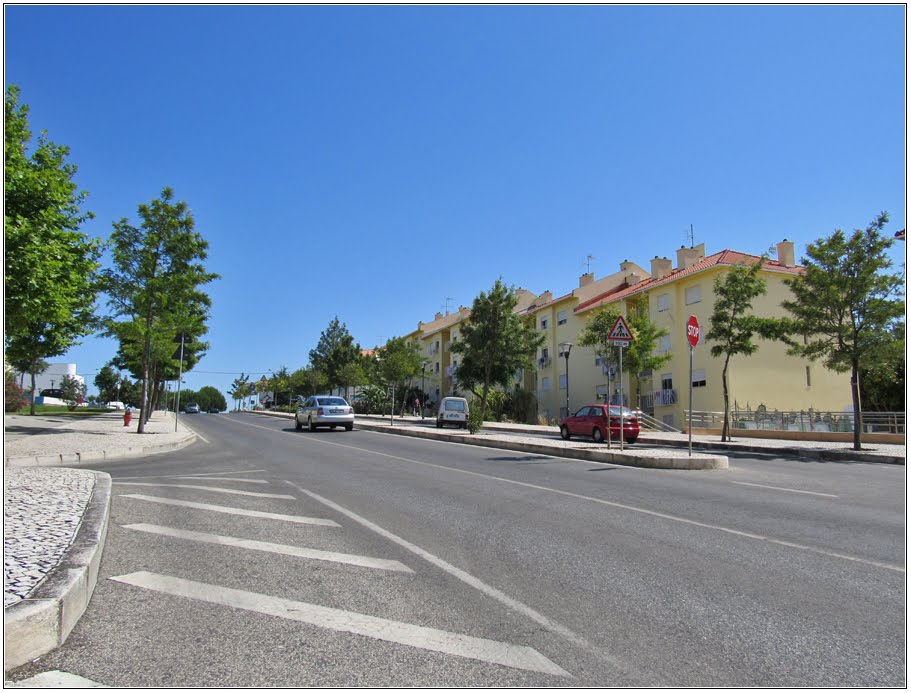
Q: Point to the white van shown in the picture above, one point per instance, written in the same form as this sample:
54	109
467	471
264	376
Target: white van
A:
453	410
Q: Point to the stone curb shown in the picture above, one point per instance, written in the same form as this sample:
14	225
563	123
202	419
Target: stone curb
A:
71	459
42	622
629	458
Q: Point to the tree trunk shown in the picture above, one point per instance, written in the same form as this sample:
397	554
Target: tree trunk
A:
725	427
32	407
855	399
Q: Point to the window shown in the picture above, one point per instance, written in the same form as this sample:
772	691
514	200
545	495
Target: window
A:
662	303
808	376
699	377
563	382
545	384
693	294
601	392
545	353
561	317
437	368
667	381
543	323
598	360
664	345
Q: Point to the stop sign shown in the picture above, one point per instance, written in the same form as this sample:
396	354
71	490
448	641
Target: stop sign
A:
692	330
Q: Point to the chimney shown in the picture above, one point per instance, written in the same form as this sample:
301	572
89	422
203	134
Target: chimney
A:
586	279
437	316
546	297
661	267
786	253
687	257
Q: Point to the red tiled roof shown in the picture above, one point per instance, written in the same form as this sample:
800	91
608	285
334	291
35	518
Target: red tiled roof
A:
725	257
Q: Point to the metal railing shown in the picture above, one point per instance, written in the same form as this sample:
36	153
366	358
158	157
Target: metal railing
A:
650	423
808	420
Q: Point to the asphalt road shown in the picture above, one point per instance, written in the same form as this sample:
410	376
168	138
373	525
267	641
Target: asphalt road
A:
407	562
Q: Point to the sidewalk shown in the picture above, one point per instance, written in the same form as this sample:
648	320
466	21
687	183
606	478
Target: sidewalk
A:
55	518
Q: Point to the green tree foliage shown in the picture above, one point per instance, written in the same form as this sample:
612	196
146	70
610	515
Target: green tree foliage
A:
241	388
309	381
50	279
336	349
882	383
206	397
641	355
495	344
73	391
107	380
396	361
155	285
733	327
847	305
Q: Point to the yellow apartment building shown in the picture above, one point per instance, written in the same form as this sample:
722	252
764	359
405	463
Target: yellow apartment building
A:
671	294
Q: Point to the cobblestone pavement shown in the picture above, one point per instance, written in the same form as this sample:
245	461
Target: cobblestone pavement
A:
42	510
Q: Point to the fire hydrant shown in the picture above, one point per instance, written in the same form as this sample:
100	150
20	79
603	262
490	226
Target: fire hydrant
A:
127	417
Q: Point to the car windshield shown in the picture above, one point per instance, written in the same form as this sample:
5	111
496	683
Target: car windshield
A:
615	411
454	405
331	402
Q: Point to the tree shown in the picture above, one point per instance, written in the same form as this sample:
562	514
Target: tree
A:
352	374
596	334
155	282
240	389
336	348
73	391
50	279
641	356
847	305
396	361
107	380
495	342
208	396
732	325
882	383
309	381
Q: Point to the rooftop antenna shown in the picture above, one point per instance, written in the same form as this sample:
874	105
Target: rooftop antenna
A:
446	307
691	236
588	264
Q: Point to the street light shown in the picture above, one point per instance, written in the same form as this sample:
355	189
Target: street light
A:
566	347
423	396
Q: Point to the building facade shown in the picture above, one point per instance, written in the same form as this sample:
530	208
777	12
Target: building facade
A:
770	378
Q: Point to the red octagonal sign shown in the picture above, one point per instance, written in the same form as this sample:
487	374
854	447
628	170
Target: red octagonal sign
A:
692	330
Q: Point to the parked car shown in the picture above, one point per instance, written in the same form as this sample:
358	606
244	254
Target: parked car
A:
324	410
192	408
214	410
592	420
453	410
115	405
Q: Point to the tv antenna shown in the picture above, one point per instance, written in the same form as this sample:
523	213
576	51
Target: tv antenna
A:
588	264
446	307
691	237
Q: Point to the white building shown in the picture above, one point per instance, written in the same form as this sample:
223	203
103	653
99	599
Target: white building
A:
51	377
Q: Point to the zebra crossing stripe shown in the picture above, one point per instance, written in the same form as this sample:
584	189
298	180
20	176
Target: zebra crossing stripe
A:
214	489
283	549
470	647
233	511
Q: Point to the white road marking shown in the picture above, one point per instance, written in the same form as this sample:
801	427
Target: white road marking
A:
779	488
283	549
224	478
470	647
233	511
172	476
467	578
208	488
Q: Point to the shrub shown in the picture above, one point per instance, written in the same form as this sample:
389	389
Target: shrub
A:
14	396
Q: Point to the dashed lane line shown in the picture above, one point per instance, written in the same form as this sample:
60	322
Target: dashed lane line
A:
269	547
421	637
300	519
224	478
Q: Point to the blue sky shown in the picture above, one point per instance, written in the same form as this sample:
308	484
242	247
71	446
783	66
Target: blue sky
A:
372	162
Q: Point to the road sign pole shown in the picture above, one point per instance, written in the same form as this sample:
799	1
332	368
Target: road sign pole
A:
690	426
621	404
179	378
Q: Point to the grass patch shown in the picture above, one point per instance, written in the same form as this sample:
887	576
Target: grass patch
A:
58	410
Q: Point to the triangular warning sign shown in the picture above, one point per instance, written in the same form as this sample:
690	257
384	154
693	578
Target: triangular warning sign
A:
620	331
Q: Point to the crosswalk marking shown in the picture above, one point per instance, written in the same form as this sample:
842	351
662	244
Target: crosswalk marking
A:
284	549
223	478
233	511
480	649
208	488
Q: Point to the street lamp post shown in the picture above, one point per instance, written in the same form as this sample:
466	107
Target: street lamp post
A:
567	347
423	395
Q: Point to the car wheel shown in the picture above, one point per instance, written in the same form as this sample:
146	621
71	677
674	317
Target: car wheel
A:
439	424
297	424
597	436
630	441
348	427
310	424
564	432
332	427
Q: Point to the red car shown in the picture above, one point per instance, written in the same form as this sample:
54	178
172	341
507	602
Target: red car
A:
592	420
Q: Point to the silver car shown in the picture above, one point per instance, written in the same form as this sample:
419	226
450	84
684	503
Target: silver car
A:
324	410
